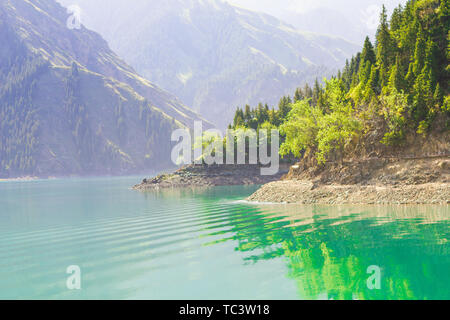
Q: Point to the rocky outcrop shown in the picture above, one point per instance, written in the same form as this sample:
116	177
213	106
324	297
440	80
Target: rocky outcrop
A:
206	176
377	171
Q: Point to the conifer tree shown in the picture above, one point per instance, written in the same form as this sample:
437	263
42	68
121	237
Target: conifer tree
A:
438	97
396	78
298	96
419	53
316	91
410	77
247	113
396	19
365	72
384	46
374	81
368	53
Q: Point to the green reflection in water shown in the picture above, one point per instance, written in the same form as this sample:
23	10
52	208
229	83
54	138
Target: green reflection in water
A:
328	249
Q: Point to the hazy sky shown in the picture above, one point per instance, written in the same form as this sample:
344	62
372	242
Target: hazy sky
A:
277	7
350	19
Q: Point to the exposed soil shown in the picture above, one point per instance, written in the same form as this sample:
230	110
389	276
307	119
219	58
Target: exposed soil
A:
372	181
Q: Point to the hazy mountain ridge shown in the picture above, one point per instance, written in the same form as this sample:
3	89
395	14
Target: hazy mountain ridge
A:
61	46
352	20
212	55
69	105
333	22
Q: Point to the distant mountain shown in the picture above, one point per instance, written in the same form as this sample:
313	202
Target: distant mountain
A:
334	23
212	55
352	20
71	106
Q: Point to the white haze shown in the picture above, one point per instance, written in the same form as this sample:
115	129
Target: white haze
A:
349	19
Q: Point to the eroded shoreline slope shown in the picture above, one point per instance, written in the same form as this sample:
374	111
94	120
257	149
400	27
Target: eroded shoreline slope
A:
374	181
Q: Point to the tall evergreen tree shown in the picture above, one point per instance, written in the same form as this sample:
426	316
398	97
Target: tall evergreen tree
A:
396	78
247	113
385	47
368	53
419	53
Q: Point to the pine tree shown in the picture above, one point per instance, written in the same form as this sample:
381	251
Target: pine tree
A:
273	118
430	62
419	53
247	114
382	36
438	97
365	73
368	53
238	118
384	75
316	92
410	77
419	111
384	47
373	84
409	32
396	77
284	107
396	19
298	96
307	91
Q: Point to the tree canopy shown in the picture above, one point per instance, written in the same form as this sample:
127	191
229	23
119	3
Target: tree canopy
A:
399	84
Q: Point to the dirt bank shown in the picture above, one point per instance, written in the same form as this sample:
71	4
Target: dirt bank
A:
369	181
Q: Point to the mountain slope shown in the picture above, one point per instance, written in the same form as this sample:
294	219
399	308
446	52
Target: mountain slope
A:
352	20
69	105
214	56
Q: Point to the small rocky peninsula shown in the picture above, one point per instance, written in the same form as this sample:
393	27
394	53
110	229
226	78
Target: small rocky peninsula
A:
207	176
423	180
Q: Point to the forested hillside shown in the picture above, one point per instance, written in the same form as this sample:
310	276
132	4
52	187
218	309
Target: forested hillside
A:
70	106
391	98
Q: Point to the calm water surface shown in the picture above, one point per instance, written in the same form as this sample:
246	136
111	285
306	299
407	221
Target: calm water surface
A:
206	244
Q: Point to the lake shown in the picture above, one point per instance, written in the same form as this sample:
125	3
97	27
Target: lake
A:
209	244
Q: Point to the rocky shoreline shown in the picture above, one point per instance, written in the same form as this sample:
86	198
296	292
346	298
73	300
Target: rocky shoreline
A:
369	181
19	179
375	181
306	192
208	176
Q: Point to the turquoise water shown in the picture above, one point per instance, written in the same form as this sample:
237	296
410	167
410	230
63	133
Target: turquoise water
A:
207	244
